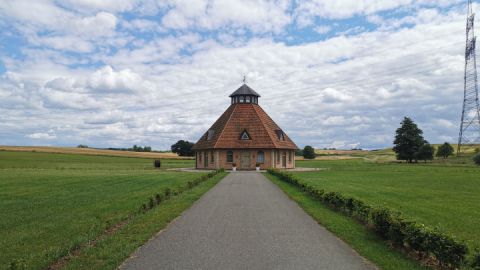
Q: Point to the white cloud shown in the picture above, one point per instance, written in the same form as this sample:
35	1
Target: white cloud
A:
42	136
309	9
67	43
102	5
154	88
257	16
106	79
322	29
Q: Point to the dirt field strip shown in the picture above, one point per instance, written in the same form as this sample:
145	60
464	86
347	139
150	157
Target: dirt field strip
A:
91	151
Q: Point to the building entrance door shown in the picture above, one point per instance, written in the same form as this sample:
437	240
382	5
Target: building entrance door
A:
284	159
245	160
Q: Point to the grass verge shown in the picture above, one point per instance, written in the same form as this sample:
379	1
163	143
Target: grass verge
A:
440	196
111	251
365	242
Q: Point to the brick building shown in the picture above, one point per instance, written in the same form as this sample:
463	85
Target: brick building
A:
245	135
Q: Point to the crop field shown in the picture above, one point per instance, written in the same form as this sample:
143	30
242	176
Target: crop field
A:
444	194
91	151
52	203
387	155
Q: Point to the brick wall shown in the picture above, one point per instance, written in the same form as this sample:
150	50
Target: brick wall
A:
272	158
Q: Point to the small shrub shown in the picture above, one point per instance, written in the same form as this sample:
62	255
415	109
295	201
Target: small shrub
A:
476	159
144	207
17	265
382	218
416	237
308	152
445	150
447	250
475	264
151	203
158	198
167	192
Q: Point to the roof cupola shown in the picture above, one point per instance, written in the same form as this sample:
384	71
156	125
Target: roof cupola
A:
245	94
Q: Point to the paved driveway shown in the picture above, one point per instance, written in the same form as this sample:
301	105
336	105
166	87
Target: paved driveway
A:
245	222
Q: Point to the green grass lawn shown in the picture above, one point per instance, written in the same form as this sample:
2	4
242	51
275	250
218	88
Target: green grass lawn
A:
443	195
50	203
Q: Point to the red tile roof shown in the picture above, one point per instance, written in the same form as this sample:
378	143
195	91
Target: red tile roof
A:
237	118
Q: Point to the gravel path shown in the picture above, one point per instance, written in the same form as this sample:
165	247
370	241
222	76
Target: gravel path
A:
245	222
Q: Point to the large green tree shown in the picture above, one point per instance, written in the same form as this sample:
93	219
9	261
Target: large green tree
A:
445	150
308	152
183	148
408	140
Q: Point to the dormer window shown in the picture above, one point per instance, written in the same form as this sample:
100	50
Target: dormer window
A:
244	135
210	134
280	135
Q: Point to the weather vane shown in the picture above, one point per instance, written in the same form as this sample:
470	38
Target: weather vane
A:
244	79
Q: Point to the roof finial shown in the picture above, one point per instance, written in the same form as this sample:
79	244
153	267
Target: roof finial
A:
244	79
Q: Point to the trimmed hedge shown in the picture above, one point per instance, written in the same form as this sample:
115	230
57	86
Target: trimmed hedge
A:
476	260
168	193
390	225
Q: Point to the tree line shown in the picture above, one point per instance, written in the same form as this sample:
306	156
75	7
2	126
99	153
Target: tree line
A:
409	144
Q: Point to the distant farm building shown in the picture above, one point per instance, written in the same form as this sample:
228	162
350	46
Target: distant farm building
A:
245	136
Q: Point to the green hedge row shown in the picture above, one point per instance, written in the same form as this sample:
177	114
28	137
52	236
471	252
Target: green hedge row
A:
449	252
167	192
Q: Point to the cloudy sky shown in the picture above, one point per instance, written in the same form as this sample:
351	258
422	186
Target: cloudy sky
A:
113	73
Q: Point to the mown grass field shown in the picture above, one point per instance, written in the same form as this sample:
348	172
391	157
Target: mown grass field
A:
51	203
442	194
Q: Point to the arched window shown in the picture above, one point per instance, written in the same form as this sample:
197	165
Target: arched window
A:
229	156
260	157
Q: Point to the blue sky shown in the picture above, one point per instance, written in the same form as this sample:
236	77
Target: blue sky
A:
331	73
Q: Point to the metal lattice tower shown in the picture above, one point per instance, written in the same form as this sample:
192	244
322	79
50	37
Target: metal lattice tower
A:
470	123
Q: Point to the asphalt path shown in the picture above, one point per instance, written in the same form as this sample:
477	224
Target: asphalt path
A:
245	222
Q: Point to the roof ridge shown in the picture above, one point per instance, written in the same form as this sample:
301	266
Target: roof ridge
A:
263	125
226	123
